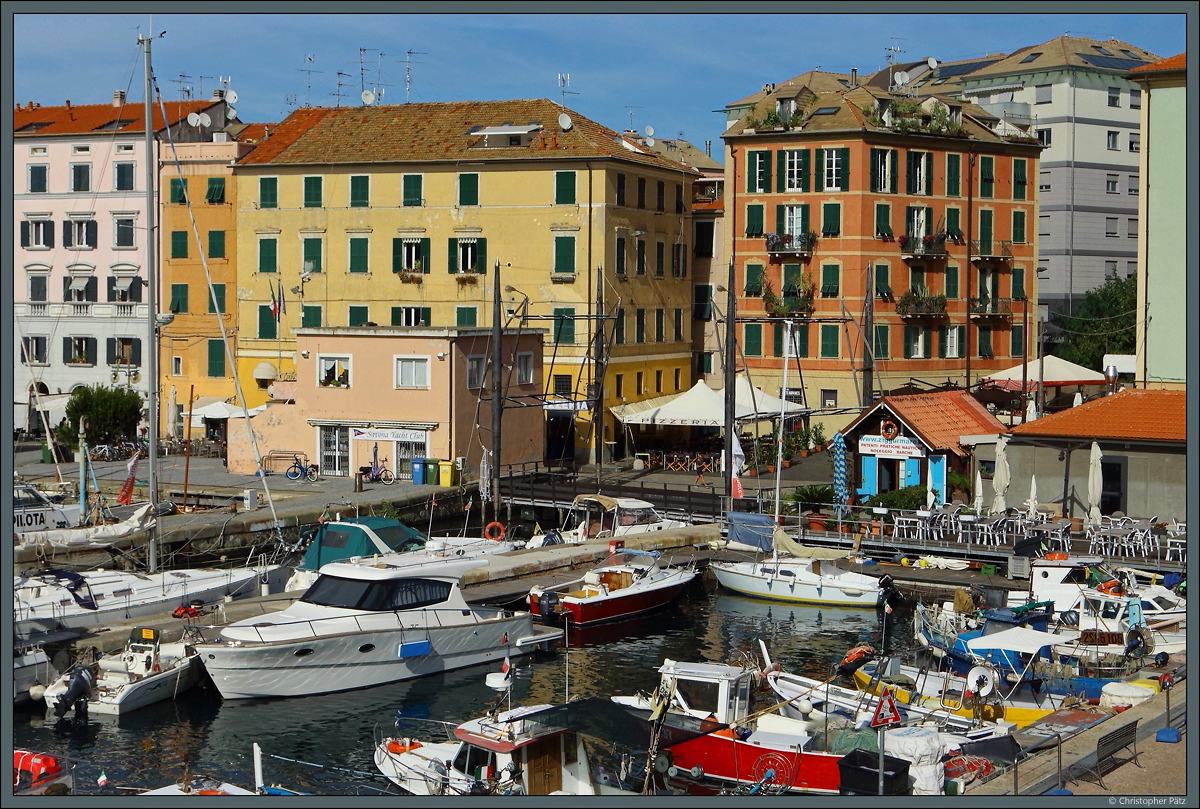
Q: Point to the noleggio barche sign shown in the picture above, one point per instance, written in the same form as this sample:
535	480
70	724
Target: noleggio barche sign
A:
880	447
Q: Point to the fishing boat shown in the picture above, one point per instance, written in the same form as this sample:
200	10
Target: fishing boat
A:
146	671
32	671
628	583
34	511
367	623
42	774
52	601
598	516
513	752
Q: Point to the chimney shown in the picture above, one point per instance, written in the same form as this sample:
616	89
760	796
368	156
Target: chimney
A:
708	148
853	77
118	98
68	103
218	94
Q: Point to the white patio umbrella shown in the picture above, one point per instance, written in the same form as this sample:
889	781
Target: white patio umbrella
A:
978	504
1000	478
1031	410
1033	501
1095	484
172	416
1078	400
930	498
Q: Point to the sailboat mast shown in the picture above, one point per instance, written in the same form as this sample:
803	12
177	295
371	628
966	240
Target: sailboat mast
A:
152	305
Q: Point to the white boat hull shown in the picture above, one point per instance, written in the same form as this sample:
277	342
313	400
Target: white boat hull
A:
769	579
31	667
121	688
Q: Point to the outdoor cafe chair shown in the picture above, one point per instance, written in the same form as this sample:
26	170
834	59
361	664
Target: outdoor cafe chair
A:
993	530
1177	541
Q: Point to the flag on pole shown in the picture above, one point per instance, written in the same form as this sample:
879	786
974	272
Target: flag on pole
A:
102	780
738	491
505	666
125	496
282	303
274	301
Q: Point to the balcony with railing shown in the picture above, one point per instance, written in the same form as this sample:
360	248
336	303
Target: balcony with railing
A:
81	309
991	249
923	246
921	305
984	307
800	244
126	309
39	309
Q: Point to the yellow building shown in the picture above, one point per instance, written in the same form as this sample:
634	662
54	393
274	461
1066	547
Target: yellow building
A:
400	215
197	189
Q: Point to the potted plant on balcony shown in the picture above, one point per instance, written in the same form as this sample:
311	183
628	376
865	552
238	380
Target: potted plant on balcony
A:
467	277
903	240
816	499
803	440
927	241
411	276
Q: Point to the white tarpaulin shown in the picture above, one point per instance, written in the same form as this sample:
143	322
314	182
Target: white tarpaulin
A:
761	404
219	410
1020	639
1054	372
701	406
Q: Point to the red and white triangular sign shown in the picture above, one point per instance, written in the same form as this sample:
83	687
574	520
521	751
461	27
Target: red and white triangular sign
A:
885	711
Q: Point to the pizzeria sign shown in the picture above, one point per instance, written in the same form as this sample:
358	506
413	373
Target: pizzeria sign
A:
898	447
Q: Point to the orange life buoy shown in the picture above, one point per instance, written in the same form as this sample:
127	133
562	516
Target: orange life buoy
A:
857	653
1112	586
396	746
1056	556
889	430
496	535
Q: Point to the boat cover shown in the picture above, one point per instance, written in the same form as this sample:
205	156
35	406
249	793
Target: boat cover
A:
1020	639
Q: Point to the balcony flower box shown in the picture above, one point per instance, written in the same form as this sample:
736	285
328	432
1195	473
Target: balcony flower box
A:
411	277
469	277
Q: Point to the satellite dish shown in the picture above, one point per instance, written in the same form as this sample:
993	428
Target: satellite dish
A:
205	120
649	131
193	118
901	77
649	141
231	113
933	63
564	122
368	97
231	97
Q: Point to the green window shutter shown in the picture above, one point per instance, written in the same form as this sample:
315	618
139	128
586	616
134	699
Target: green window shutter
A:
875	170
943	338
677	325
564	188
1018	284
985	232
1018	227
829	280
358	255
883	288
985	342
751	172
781	170
910	172
929	174
706	363
843	172
178	191
216	358
754	280
800	339
619	328
216	299
481	256
564	254
179	243
266	255
883	216
780	218
893	161
266	323
952	282
425	256
620	189
766	171
752	336
660	326
452	254
953	228
360	191
777	339
818	170
754	220
564	324
411	190
986	176
1016	346
928	221
312	192
310	317
1019	179
358	315
791	279
468	189
397	255
805	171
312	255
216	190
831	219
179	298
216	244
953	174
397	315
829	341
426	316
268	192
881	342
804	228
910	337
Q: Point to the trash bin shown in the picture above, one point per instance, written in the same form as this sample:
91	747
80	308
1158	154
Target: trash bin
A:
858	773
446	473
431	472
418	470
46	456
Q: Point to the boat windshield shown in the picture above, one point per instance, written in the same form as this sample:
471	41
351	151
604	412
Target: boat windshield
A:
376	596
400	538
639	516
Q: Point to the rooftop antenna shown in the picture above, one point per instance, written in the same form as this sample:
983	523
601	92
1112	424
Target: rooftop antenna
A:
892	50
564	81
201	93
408	70
185	90
338	94
362	71
379	85
631	109
308	58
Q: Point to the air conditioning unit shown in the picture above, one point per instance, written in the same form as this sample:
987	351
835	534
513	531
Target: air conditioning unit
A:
459	463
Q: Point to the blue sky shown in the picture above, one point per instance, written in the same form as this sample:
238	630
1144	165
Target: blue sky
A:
670	71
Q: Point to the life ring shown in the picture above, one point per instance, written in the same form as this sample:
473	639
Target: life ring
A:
1111	586
856	654
496	535
396	746
1056	556
889	430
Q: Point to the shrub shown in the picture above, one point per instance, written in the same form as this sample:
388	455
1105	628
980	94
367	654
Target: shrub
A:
910	498
814	496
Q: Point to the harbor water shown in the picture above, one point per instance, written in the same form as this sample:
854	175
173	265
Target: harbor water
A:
324	744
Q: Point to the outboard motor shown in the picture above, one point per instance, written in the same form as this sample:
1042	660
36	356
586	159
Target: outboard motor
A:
77	693
548	606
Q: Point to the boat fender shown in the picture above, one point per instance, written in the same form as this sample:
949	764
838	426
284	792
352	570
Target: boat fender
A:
494	531
1166	681
1111	586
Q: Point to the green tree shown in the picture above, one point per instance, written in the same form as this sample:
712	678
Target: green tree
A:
112	414
1104	323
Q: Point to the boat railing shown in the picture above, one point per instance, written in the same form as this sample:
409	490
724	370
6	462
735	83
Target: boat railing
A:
378	622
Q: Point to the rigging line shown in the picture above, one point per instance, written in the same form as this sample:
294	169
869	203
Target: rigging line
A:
237	383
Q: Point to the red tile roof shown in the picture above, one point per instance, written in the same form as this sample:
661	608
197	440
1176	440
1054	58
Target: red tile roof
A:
938	418
1131	415
33	120
1176	62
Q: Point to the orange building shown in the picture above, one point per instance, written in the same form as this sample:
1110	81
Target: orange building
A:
897	235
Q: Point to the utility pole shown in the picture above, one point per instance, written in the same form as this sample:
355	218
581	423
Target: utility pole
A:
151	302
497	392
868	382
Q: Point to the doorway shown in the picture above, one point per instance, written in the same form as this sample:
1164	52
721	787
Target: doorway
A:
889	474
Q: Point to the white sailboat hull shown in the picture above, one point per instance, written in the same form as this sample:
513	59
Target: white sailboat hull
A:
799	581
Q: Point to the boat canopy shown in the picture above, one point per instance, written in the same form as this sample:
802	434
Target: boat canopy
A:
1020	639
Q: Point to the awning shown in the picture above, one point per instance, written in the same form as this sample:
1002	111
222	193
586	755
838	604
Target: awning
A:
1020	639
1054	372
701	406
122	283
55	405
975	91
265	370
79	282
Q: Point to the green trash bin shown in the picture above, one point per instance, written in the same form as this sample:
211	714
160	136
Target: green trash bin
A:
446	473
431	472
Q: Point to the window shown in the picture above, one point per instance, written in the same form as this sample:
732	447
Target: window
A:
1018	227
639	326
794	165
883	175
333	371
679	261
951	277
177	362
953	175
468	189
1043	225
620	189
1114	140
754	280
831	219
835	169
37	178
412	372
310	317
268	324
660	196
919	179
564	324
985	343
914	342
215	194
619	256
216	300
1133	185
953	336
1130	269
312	192
880	346
758	172
410	316
641	257
677	325
829	340
1135	99
33	350
266	254
311	253
754	220
1135	142
1111	182
268	192
122	176
641	192
987	177
1032	55
1043	181
1114	96
829	280
179	299
1110	226
1018	284
216	360
679	206
1041	93
619	327
883	220
564	188
79	350
704	363
658	381
38	234
752	339
660	325
916	277
123	232
953	228
83	149
1110	270
562	384
360	191
467	255
39	287
123	351
79	234
564	254
411	190
178	191
1019	179
791	220
465	317
523	367
216	244
883	287
410	254
81	176
659	259
358	254
828	397
1043	136
1132	231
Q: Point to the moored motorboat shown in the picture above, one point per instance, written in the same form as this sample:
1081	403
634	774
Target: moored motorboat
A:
363	624
599	517
32	672
49	543
146	671
626	584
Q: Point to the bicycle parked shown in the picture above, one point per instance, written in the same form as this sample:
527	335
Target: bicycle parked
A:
299	470
377	472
